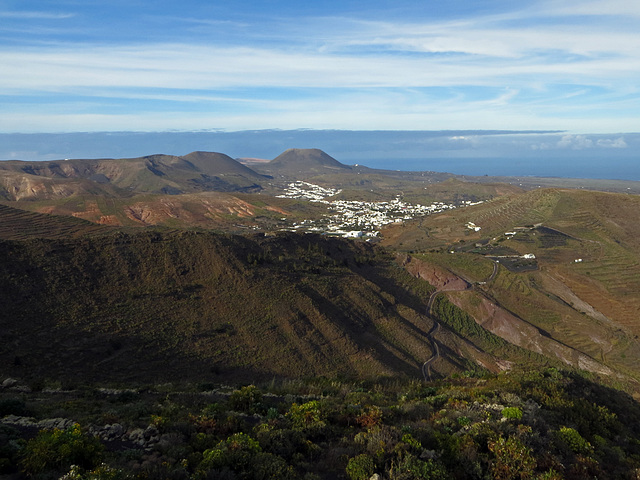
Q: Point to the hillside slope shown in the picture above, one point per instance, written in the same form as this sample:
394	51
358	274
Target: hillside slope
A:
156	305
85	301
581	287
195	172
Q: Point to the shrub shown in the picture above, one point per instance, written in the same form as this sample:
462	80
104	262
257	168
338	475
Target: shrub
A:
236	450
572	439
412	468
284	442
512	459
307	415
13	406
370	418
102	472
10	446
242	454
513	413
361	467
56	450
247	399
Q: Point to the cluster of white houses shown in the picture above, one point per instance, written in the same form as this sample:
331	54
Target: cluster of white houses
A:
350	218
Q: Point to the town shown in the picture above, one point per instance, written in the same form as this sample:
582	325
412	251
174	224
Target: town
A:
350	218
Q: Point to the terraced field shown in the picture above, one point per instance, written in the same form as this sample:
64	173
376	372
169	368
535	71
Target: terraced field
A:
587	246
18	224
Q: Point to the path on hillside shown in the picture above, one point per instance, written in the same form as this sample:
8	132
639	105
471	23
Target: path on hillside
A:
426	366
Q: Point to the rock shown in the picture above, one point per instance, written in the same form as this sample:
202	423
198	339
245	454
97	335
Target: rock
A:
53	423
428	455
21	389
150	432
17	420
137	436
375	476
9	382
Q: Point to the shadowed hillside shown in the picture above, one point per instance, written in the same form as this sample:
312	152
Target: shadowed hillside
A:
155	305
160	304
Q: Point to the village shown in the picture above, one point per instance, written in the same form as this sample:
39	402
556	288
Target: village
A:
350	218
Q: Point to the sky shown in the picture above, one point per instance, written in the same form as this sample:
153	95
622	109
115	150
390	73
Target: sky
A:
133	65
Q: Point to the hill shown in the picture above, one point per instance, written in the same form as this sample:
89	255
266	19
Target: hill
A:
17	224
297	162
196	172
579	288
347	337
154	304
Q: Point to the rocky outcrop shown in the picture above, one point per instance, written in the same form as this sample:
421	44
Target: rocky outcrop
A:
145	438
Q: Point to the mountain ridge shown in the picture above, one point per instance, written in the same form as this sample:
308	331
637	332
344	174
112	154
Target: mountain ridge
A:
158	173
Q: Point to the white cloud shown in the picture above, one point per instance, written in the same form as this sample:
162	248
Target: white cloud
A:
580	142
35	15
202	67
612	143
575	142
538	67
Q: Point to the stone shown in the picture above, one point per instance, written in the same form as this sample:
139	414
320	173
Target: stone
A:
9	382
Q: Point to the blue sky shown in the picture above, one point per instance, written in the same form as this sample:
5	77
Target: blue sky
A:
85	65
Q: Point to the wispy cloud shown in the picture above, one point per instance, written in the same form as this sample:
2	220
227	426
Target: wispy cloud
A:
535	66
31	15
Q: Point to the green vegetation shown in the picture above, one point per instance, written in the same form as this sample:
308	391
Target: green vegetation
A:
55	451
545	424
472	267
293	356
463	324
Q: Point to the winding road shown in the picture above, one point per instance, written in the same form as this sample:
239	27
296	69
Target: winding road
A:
426	366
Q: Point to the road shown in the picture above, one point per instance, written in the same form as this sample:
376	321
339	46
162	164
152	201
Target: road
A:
426	366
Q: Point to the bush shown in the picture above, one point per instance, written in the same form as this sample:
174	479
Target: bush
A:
241	454
307	415
512	459
103	472
13	406
248	399
572	439
412	468
361	467
370	418
10	445
56	450
513	413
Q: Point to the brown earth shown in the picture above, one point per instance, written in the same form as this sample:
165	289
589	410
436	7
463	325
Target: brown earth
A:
442	279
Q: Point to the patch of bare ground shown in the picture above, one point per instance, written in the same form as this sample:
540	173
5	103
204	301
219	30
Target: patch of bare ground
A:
440	278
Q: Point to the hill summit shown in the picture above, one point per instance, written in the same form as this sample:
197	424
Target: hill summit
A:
304	160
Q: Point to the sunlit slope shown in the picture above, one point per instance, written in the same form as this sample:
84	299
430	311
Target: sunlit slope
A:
584	292
213	210
169	174
16	224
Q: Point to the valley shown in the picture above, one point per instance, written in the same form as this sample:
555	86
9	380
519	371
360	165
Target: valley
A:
198	277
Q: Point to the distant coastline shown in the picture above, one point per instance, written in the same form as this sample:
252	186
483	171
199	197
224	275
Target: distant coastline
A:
462	152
